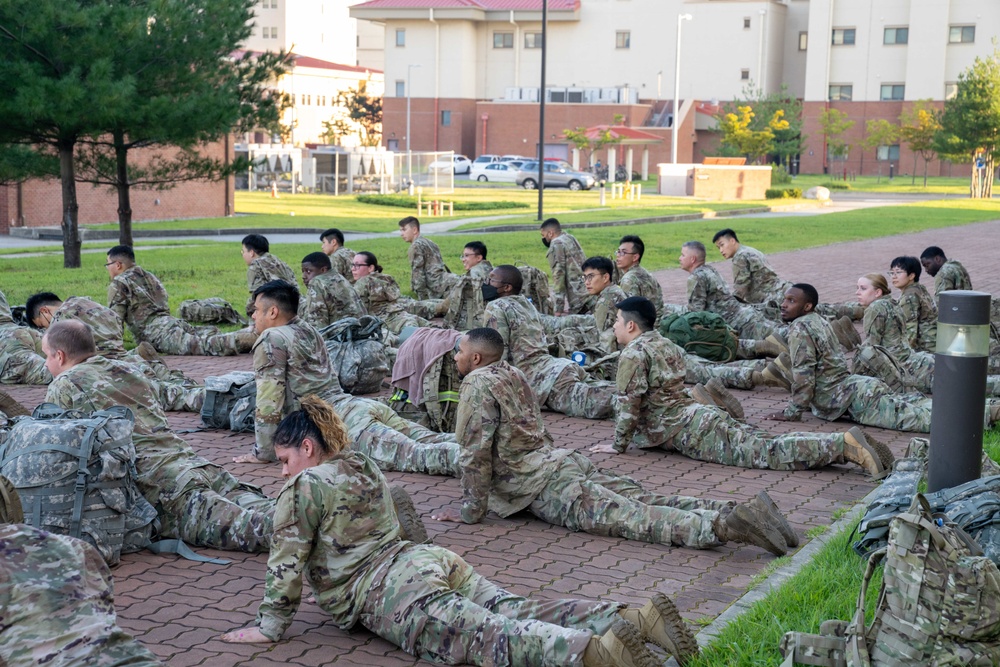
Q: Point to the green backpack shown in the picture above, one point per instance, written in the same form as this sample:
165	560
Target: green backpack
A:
703	333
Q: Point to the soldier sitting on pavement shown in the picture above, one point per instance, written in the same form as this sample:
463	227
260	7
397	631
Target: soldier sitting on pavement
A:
948	274
290	361
508	464
381	296
329	297
196	500
340	257
654	410
21	361
140	301
176	392
560	384
262	266
636	280
428	273
336	527
917	305
565	257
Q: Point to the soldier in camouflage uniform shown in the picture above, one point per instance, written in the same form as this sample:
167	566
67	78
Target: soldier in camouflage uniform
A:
337	528
508	465
340	257
176	392
598	273
948	274
653	409
754	281
637	281
916	304
463	306
565	257
140	301
262	266
57	604
560	384
428	272
329	297
381	296
196	500
291	361
20	358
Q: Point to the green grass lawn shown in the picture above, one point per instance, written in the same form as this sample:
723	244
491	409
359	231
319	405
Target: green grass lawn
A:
957	185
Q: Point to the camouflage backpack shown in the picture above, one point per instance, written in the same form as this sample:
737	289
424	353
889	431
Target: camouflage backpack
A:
357	353
213	310
75	475
535	287
703	334
465	304
939	604
230	401
439	406
877	362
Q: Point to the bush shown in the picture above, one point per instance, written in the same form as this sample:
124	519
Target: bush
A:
783	193
405	201
779	175
837	185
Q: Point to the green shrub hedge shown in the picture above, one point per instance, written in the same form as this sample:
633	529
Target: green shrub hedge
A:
783	193
837	185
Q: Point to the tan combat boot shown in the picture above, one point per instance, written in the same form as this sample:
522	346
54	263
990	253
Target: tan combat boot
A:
10	503
660	623
146	350
724	398
701	395
621	646
846	333
771	376
749	524
858	450
411	526
765	503
11	407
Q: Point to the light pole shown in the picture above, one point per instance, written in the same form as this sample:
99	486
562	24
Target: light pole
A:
760	51
409	152
677	89
541	111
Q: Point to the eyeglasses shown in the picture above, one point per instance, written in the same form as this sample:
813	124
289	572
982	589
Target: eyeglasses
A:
109	264
587	277
360	266
468	254
625	252
896	274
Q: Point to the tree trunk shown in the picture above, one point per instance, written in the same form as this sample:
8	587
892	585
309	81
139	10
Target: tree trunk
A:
926	160
123	187
988	177
913	180
70	207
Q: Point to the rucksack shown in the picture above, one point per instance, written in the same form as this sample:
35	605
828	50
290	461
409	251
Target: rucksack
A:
230	401
703	334
75	475
213	310
535	288
357	353
877	362
939	604
439	408
465	304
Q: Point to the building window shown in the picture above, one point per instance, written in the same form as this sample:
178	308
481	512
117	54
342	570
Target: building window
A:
896	36
532	40
890	153
840	93
962	34
746	22
803	41
400	36
744	75
892	91
503	40
950	91
445	118
400	89
843	36
623	39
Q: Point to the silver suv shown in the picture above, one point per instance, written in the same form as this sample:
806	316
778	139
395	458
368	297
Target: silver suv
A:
557	175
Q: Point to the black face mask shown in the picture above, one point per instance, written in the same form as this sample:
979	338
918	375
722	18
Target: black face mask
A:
490	293
546	242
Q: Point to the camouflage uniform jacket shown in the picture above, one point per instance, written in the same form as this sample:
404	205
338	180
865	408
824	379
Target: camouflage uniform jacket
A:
334	524
818	370
506	455
707	290
884	325
951	276
650	385
289	362
379	294
104	322
427	272
21	360
920	314
754	281
328	298
605	314
138	298
481	271
341	261
637	281
263	269
565	257
524	337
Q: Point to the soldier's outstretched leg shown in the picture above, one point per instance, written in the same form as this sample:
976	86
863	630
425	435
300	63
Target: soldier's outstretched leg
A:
874	404
205	518
735	375
575	396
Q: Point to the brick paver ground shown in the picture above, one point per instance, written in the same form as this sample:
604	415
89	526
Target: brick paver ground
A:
179	608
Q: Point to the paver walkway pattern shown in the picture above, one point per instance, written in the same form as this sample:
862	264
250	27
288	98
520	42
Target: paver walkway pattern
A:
179	608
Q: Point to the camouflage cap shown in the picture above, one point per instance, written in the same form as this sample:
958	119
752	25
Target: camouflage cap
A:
10	503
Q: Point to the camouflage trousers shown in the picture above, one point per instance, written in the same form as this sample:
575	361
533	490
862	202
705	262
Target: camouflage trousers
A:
395	321
20	361
433	605
394	443
872	403
214	509
709	434
920	367
577	395
175	391
170	335
581	497
426	308
735	374
57	604
752	325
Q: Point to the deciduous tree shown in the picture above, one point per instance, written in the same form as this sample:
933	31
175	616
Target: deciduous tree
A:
833	124
879	133
918	126
357	113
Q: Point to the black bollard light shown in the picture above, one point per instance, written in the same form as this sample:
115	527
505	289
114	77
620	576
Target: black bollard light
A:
957	413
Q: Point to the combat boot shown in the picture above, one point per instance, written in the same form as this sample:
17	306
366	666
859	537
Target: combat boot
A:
858	450
771	376
10	503
769	347
411	527
778	340
701	395
146	350
748	524
724	398
660	623
11	407
885	454
846	333
621	646
764	502
994	412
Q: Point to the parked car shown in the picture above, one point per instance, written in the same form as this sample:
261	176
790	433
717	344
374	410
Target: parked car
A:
556	176
459	164
486	159
518	162
508	158
496	172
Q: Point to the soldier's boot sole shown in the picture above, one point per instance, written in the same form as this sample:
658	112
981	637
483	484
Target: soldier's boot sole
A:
146	350
784	363
771	376
701	395
858	450
10	503
846	333
885	454
621	646
12	408
765	502
660	623
779	340
411	527
767	348
724	398
751	525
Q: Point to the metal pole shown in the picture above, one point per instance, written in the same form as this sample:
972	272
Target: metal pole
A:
760	52
677	89
541	112
409	152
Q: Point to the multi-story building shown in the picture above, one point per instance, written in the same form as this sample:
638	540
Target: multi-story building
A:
471	68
